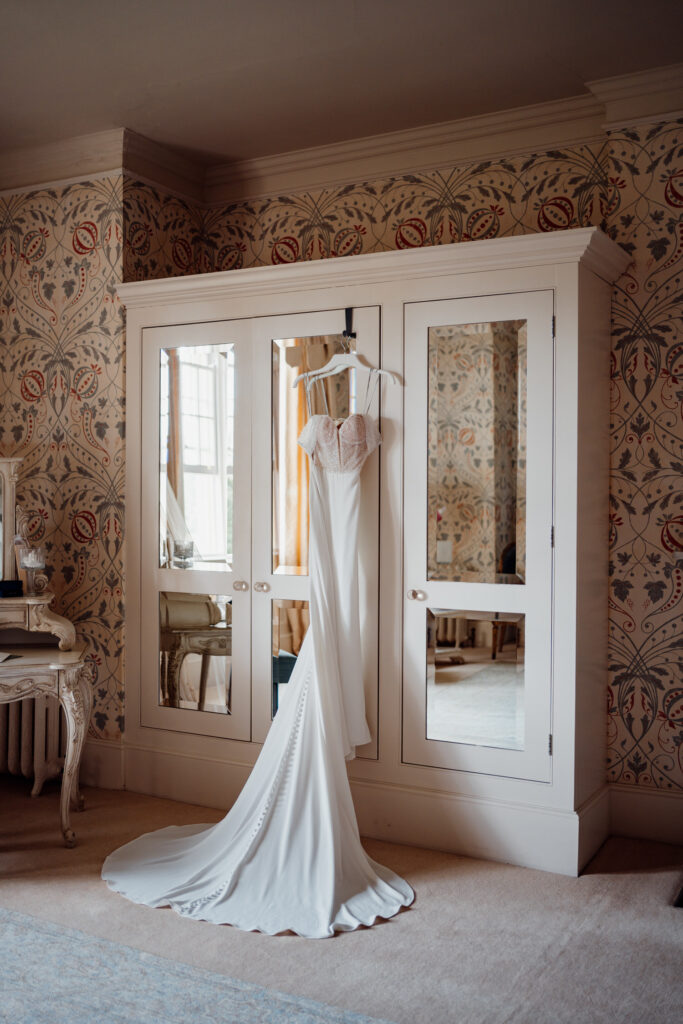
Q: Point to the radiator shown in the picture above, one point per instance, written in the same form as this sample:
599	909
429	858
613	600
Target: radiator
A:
32	739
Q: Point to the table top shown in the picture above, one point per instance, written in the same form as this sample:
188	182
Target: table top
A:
218	627
23	658
44	597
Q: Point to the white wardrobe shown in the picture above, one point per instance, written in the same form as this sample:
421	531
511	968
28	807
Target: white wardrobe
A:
484	533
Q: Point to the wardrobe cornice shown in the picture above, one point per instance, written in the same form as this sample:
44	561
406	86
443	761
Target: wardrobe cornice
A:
588	246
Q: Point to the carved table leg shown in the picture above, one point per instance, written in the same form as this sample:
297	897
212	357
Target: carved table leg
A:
163	676
75	694
44	620
203	677
175	658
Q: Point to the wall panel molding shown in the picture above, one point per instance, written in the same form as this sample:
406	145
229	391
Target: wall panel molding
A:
61	162
645	813
102	765
153	162
640	97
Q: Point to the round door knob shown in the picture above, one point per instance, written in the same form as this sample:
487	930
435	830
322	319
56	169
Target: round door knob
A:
262	588
240	585
416	595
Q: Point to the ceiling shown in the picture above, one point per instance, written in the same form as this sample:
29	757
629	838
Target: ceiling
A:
228	80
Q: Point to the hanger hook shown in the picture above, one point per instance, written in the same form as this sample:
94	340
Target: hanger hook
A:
348	333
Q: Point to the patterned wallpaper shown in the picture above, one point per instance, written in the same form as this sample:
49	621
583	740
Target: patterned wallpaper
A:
631	185
61	352
477	450
163	233
61	364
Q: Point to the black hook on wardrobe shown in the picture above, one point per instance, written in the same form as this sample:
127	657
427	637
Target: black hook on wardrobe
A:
348	333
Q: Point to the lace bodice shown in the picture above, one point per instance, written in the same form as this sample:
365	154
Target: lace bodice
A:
340	447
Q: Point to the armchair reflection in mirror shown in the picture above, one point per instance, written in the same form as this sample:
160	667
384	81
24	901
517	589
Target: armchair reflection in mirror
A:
195	652
196	435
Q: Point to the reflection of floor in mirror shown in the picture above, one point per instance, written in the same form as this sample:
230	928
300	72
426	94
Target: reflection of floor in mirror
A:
479	702
216	683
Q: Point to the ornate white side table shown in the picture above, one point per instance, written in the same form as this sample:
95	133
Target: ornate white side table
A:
45	671
33	612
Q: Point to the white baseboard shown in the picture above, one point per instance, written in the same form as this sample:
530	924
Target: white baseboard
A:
594	817
535	837
206	781
646	813
102	764
539	837
520	834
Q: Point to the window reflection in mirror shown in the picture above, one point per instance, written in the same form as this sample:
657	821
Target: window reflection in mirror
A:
196	433
291	620
475	677
195	652
477	452
334	395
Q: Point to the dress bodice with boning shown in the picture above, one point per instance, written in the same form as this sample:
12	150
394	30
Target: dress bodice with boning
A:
288	855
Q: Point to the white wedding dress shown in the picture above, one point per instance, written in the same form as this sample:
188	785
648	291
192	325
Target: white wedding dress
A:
288	854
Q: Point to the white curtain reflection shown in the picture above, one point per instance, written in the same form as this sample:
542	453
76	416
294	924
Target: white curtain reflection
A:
197	392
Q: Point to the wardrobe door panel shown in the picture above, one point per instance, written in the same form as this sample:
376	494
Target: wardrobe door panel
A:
478	518
196	508
283	348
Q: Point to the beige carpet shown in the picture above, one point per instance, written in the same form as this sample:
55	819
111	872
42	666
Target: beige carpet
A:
484	943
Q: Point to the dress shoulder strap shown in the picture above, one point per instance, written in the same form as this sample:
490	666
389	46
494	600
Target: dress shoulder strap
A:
308	436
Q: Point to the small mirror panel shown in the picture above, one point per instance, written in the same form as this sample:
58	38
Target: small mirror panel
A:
195	652
475	677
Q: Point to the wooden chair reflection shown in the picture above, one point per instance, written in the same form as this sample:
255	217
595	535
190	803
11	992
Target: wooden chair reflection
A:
191	624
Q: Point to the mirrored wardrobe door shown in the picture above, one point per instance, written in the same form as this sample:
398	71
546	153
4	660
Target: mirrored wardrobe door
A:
478	517
285	347
196	508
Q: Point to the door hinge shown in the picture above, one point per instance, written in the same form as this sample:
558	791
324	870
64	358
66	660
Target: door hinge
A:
552	536
550	744
553	327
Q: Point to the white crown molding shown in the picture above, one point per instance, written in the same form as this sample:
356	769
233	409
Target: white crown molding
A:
640	97
508	132
58	162
586	245
157	164
644	96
